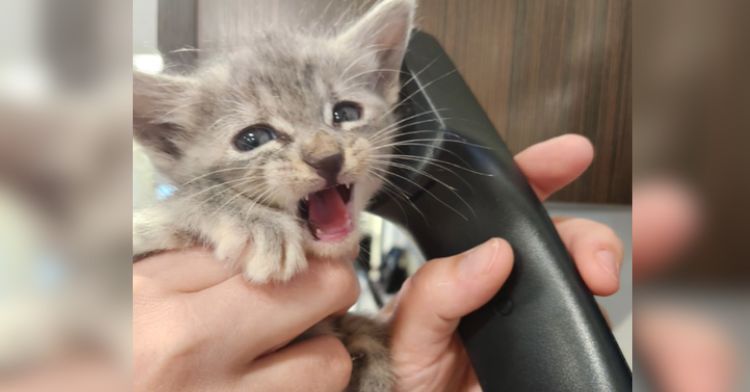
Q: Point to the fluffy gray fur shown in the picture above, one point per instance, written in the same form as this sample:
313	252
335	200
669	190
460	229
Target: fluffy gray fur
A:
243	205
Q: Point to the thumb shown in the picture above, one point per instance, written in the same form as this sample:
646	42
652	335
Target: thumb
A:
433	300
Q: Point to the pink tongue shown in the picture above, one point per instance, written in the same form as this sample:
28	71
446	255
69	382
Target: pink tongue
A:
327	210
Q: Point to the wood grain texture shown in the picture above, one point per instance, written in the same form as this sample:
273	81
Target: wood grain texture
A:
539	68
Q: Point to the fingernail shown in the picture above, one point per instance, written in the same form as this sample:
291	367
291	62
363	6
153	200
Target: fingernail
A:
608	261
478	261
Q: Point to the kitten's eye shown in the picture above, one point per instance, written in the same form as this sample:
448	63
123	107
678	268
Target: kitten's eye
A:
346	111
254	136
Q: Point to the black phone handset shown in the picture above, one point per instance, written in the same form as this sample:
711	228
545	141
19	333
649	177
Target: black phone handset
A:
543	331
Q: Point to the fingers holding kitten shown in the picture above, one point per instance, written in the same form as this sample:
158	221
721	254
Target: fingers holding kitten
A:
286	309
306	360
253	319
242	282
233	323
183	271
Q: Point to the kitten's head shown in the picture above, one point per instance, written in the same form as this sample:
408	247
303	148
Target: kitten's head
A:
298	123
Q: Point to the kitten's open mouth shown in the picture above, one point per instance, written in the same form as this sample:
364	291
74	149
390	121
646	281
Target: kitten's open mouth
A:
325	211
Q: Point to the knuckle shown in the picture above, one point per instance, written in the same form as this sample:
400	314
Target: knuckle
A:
165	338
329	368
421	283
187	330
344	280
608	235
338	362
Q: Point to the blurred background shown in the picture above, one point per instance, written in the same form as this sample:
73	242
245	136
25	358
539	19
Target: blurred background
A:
691	183
65	195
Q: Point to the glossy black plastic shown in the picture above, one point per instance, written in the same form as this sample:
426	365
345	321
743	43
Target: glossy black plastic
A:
454	186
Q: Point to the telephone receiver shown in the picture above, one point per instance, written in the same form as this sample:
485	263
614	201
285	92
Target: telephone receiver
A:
453	186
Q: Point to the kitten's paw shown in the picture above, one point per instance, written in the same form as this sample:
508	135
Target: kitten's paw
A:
154	230
229	247
275	253
269	250
227	237
366	340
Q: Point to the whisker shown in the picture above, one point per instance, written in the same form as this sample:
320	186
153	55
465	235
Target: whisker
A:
419	90
431	131
424	173
400	144
430	176
262	198
368	52
390	193
441	140
235	197
387	182
434	161
219	184
411	79
398	125
211	173
390	157
372	71
428	192
395	128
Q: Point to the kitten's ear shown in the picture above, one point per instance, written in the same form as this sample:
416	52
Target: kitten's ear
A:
385	30
157	120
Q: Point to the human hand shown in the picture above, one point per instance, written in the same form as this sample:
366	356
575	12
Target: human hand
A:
197	326
682	349
427	352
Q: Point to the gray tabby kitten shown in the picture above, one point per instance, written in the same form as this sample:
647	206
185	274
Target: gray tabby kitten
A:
275	149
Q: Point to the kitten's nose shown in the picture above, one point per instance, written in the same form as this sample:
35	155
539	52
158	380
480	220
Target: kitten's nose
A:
328	168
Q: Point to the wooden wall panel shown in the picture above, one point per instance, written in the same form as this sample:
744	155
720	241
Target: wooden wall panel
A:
540	68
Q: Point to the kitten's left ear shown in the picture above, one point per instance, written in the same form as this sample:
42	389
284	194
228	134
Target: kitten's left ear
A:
160	115
385	30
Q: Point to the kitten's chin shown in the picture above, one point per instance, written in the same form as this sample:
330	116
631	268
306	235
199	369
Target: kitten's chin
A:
345	247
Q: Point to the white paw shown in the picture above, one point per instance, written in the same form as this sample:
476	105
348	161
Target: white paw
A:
153	230
274	254
228	239
269	250
229	247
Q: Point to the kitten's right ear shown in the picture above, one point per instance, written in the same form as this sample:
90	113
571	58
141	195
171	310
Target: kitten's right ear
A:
158	121
384	30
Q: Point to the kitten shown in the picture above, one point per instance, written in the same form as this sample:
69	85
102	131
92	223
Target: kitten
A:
274	150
